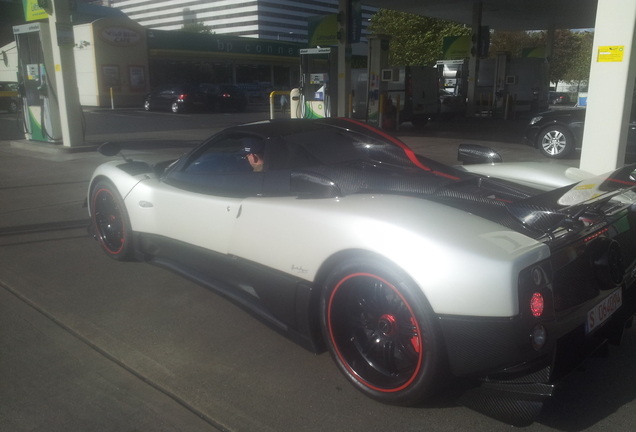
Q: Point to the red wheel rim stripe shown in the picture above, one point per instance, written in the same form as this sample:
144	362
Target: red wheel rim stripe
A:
420	352
94	215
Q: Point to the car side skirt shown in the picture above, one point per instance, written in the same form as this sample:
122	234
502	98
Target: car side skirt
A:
285	303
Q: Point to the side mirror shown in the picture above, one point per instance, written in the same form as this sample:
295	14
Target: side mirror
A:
109	149
160	167
112	149
470	154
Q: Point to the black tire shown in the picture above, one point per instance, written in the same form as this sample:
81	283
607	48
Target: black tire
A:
147	105
556	142
419	122
380	331
175	107
110	221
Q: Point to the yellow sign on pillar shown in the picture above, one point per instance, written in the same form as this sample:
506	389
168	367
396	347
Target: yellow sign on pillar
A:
613	53
32	11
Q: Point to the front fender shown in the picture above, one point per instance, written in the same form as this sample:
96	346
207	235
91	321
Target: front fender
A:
116	173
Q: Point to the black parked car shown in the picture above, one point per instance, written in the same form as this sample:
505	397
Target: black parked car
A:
9	96
224	97
177	98
557	133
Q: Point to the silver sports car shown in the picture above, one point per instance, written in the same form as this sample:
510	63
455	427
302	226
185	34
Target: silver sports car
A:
408	271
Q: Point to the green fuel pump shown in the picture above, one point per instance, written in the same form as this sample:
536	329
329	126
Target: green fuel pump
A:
37	83
318	86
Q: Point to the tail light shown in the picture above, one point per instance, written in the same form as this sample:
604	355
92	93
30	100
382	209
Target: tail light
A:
183	96
537	304
226	95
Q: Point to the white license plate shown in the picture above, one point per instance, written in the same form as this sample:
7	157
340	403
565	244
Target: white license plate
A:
602	311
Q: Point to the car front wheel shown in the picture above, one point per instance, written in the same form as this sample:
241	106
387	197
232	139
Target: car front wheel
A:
419	122
110	221
13	106
380	331
556	142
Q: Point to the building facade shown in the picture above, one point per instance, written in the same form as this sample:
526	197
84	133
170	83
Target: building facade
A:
284	20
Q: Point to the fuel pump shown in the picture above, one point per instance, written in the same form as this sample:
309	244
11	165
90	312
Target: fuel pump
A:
453	76
318	86
37	83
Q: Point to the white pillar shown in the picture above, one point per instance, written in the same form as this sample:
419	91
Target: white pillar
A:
611	86
61	30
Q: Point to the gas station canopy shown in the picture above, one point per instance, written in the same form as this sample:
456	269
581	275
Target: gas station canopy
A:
502	14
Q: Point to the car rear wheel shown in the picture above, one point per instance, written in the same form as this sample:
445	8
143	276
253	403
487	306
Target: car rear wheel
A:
175	107
110	221
147	105
556	142
380	331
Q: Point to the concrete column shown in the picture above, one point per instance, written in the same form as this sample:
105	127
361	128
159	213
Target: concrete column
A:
344	61
611	86
473	61
549	42
61	30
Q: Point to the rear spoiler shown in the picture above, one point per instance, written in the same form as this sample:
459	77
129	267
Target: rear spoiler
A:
566	207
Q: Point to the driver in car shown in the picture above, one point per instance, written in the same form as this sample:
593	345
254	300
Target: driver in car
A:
254	154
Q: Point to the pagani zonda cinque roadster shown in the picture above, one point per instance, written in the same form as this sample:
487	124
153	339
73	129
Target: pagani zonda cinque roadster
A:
408	271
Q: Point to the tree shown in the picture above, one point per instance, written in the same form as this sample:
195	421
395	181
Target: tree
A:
570	60
196	27
580	69
514	42
416	40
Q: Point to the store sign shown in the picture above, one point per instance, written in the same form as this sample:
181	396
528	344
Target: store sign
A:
456	47
323	30
120	36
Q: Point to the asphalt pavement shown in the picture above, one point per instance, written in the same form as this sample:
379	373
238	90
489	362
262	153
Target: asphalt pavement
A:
89	344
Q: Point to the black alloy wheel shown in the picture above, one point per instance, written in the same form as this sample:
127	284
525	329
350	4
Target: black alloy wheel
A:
380	332
110	221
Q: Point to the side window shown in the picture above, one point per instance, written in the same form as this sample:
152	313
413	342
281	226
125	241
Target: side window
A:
221	168
224	156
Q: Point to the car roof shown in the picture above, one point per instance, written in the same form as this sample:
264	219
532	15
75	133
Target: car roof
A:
283	127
